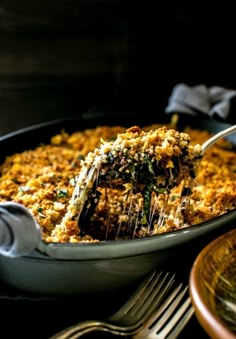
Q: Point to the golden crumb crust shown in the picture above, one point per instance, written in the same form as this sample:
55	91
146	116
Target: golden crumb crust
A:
43	180
150	162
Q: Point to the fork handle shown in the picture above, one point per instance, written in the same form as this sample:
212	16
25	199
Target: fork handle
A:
78	330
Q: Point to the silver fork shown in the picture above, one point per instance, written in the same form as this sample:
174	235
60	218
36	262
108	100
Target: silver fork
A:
132	315
170	318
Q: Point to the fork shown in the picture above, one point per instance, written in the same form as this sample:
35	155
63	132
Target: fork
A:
170	318
130	318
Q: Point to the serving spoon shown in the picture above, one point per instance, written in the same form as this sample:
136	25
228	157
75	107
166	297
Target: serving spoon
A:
217	136
20	233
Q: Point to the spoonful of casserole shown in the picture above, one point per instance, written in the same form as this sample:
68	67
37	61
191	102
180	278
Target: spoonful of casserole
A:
136	185
137	162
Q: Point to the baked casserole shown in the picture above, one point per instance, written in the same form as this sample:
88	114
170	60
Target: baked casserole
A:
44	180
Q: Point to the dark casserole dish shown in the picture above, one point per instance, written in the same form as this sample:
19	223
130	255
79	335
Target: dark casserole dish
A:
78	268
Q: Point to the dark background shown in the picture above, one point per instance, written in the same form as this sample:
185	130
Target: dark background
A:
64	57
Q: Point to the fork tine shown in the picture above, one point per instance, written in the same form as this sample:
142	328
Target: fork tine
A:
184	320
136	295
152	319
150	294
160	325
178	315
168	312
154	294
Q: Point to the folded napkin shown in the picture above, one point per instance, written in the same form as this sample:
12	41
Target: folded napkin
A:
19	232
215	101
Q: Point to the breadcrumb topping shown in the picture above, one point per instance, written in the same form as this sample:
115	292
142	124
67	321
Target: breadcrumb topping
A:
150	162
44	179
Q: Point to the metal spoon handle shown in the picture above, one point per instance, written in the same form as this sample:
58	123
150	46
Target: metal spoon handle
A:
211	141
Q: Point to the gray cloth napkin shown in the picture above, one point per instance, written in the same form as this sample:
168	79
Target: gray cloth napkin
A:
19	232
213	101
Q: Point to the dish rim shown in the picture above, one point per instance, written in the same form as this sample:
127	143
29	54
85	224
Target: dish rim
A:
115	249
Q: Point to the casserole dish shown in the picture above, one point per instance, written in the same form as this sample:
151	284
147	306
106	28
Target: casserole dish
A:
69	269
